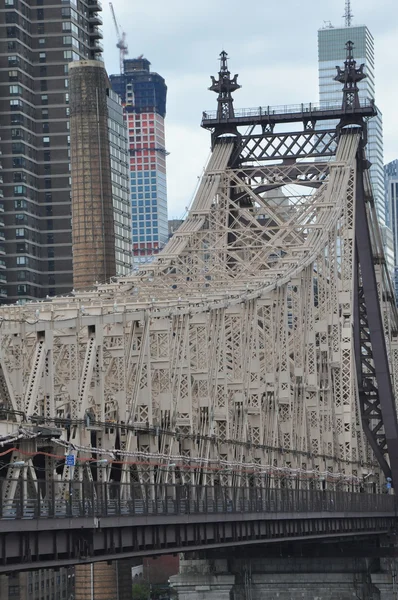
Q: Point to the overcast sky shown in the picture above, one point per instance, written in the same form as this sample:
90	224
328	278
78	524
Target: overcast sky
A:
273	47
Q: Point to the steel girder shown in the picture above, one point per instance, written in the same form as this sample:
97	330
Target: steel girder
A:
375	388
229	360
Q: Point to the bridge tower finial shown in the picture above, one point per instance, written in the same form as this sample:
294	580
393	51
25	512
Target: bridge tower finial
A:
350	77
224	87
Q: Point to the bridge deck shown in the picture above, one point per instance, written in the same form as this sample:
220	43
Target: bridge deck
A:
38	535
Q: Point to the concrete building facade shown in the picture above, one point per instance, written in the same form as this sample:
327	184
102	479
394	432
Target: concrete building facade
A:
143	94
38	40
44	584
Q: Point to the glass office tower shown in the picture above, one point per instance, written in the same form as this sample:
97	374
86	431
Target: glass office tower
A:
118	146
144	97
332	52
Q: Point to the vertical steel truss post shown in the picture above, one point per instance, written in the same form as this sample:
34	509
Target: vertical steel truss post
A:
378	410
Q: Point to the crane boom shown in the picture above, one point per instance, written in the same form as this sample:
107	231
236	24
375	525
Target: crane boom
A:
114	20
121	39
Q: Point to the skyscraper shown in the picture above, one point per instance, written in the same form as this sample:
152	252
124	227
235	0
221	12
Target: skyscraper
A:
332	52
120	176
38	40
391	191
144	97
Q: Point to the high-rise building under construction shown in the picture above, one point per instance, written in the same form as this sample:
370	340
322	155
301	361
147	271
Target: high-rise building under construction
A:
143	94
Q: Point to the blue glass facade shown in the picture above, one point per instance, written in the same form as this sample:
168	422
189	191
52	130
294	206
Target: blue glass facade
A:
144	98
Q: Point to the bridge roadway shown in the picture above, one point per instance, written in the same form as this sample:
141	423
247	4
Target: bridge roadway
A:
96	523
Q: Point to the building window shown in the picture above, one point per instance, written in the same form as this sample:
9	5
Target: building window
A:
22	260
46	141
15	90
13	61
42	41
16	104
21	289
44	99
42	57
20	232
13	590
19	190
20	204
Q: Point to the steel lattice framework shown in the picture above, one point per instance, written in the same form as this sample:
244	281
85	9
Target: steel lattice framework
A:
262	341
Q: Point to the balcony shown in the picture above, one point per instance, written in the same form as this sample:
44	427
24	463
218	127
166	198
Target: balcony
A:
1	195
3	293
95	33
2	236
94	5
95	19
2	263
1	206
2	250
3	278
2	224
97	48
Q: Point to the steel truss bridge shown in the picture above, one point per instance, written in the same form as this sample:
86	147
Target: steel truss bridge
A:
258	350
97	523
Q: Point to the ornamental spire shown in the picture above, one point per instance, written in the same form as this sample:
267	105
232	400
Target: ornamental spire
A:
350	77
224	86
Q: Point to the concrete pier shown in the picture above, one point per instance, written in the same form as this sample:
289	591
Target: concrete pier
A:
315	578
203	580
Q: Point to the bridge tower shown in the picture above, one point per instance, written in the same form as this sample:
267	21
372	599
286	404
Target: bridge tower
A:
257	352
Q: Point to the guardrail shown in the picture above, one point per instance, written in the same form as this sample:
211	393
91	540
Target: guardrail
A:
83	499
286	109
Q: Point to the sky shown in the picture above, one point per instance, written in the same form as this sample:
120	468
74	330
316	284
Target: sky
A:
271	45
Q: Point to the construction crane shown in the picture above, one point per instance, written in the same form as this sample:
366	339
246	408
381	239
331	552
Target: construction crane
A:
121	39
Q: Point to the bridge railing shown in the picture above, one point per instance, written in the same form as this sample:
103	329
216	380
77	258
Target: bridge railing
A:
306	109
97	499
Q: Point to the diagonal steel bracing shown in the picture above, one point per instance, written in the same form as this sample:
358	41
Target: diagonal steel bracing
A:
257	349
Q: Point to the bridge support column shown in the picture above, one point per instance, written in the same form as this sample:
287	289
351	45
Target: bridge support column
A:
312	578
386	581
203	580
103	581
